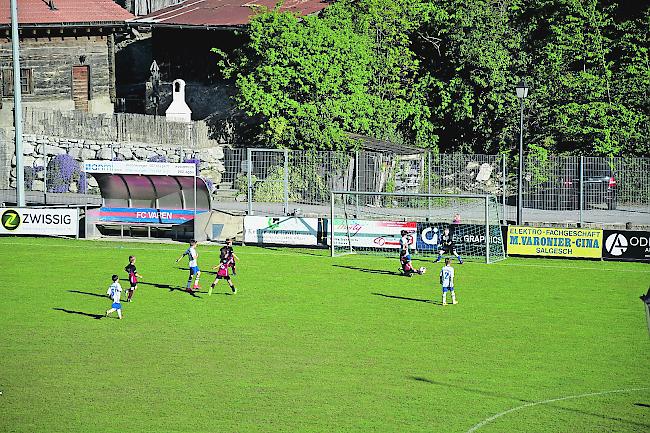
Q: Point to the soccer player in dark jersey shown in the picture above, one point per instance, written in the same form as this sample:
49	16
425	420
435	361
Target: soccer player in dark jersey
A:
447	246
222	274
227	253
133	277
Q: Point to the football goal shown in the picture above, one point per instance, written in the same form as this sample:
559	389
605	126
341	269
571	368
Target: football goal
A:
371	223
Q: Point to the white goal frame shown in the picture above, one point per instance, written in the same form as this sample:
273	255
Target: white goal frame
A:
487	199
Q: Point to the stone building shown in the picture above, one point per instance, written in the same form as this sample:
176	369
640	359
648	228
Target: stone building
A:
67	56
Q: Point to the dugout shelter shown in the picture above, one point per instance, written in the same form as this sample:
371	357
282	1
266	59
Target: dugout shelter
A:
146	199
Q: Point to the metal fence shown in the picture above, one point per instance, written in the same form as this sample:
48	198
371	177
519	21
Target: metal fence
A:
557	190
561	190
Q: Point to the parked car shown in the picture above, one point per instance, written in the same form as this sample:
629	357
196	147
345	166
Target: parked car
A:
562	190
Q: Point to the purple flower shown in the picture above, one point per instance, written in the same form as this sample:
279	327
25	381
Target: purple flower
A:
158	158
63	170
209	183
195	161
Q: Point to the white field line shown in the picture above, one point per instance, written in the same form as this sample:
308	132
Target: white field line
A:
180	246
582	268
571	397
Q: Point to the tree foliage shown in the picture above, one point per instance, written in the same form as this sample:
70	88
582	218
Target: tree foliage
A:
441	74
313	80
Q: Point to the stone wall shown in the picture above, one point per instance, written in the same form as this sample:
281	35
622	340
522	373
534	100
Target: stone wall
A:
40	152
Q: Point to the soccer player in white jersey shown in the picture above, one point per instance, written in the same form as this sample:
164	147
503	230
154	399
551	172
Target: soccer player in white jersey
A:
447	282
193	256
115	291
404	244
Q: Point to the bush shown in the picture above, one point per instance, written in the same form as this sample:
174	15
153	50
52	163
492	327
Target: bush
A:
64	171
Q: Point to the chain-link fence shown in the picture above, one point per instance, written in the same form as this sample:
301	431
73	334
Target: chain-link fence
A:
557	189
562	190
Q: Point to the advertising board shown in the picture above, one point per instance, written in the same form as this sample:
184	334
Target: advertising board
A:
370	234
555	241
281	230
139	167
626	245
144	215
33	221
466	237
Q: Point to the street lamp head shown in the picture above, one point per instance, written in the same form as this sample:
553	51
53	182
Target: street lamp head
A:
522	90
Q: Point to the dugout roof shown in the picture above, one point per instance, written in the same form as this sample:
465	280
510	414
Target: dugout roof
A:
153	191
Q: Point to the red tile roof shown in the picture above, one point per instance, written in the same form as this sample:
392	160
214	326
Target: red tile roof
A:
67	12
223	13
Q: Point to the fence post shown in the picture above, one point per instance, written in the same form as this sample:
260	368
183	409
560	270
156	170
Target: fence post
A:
356	181
582	188
249	167
286	182
503	188
429	180
45	162
487	229
331	225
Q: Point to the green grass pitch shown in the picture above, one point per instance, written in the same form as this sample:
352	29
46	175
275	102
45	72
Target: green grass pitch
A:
315	344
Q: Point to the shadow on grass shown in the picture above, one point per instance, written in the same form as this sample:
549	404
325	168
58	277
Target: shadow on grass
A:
170	288
81	313
642	405
99	295
554	405
404	298
203	271
371	271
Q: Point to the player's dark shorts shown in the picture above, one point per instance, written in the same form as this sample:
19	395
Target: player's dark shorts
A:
447	289
451	249
223	277
133	280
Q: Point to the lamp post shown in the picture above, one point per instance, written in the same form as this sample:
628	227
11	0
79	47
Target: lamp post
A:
522	93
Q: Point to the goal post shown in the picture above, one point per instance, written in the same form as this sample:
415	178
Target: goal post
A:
371	223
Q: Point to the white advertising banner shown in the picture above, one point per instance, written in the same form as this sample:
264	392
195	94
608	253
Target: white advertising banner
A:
281	230
139	167
370	234
32	221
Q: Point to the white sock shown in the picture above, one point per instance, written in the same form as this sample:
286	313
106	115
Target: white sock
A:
453	296
444	298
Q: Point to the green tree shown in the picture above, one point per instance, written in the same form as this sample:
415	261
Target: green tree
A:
470	49
312	80
580	101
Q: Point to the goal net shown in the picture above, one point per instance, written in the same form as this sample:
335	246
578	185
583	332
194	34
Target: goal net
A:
371	223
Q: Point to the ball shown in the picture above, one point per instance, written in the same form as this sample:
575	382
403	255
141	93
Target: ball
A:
423	270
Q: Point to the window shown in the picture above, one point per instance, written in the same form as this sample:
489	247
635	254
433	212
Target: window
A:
26	82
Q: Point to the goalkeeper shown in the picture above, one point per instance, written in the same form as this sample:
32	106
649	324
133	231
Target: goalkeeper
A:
447	246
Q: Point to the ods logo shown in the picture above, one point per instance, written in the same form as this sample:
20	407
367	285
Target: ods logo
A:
10	220
616	244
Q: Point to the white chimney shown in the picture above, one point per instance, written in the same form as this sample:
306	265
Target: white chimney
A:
178	111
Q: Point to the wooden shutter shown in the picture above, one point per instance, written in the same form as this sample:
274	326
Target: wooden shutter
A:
81	87
7	82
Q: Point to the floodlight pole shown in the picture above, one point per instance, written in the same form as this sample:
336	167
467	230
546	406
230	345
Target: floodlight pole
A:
18	109
521	166
331	225
522	93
